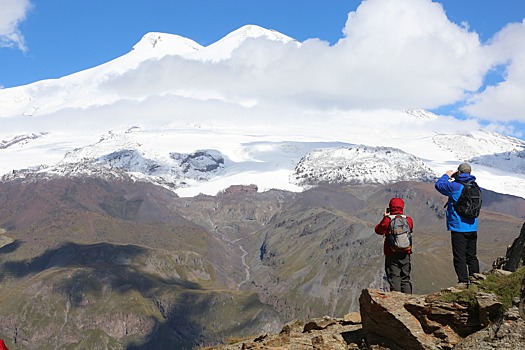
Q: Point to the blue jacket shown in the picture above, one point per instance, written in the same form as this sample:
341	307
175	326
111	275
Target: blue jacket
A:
453	189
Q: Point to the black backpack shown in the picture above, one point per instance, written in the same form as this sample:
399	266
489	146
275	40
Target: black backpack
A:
469	202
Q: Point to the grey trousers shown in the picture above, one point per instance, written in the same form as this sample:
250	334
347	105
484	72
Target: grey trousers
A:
397	268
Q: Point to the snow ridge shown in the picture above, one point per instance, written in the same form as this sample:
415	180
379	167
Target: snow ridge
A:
360	165
479	147
20	140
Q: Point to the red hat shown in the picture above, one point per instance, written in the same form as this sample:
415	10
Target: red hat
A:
396	205
2	345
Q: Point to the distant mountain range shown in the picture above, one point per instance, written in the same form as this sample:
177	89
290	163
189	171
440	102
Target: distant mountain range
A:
172	112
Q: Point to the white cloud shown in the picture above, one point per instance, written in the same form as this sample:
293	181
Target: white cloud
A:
408	53
504	101
395	54
12	14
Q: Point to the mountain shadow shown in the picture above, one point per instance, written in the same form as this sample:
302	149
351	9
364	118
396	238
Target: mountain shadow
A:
10	246
135	295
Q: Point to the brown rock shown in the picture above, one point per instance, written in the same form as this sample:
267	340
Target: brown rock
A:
489	308
501	272
317	341
352	318
318	324
405	321
324	333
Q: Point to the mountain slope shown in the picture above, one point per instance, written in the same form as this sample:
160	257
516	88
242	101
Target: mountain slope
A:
87	262
111	265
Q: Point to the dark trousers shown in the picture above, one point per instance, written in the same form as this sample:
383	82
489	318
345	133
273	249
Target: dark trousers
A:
397	268
464	251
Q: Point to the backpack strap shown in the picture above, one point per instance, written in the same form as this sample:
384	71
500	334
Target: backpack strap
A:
392	216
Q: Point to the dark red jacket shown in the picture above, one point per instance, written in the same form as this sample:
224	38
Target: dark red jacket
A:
396	206
2	345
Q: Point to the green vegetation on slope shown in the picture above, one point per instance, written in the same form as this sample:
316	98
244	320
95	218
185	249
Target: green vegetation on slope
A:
505	287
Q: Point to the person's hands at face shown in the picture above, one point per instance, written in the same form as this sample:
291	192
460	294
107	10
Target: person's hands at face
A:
450	172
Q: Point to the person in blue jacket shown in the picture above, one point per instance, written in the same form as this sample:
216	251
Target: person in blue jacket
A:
464	231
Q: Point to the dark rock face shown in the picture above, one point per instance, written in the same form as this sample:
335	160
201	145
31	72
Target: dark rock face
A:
514	259
200	161
515	255
522	300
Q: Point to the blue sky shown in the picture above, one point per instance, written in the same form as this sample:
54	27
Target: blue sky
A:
49	39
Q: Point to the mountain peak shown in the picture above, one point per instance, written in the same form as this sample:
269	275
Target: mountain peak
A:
223	48
255	31
421	113
166	44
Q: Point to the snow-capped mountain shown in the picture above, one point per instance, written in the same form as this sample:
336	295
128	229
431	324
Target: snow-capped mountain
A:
90	87
192	118
360	165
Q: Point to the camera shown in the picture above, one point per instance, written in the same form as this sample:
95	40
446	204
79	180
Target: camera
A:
387	210
455	175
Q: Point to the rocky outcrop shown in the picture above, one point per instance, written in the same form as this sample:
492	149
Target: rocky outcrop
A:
359	165
240	189
507	333
396	320
324	333
393	320
515	258
515	255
